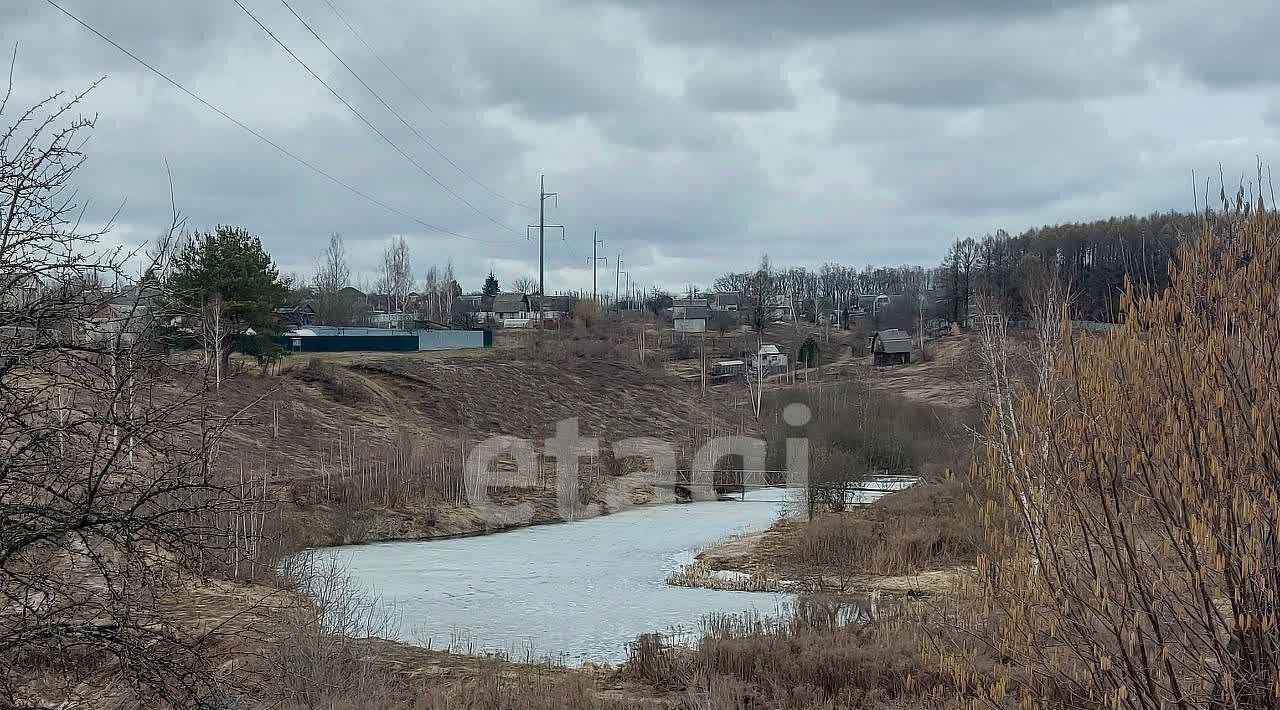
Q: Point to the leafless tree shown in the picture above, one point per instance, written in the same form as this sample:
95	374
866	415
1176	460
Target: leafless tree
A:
105	443
448	290
332	275
439	290
525	285
396	277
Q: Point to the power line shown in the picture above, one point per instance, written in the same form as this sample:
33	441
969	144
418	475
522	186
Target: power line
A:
386	66
279	148
369	123
404	83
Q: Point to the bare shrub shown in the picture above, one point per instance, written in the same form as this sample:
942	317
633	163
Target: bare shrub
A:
819	655
358	474
1139	564
857	433
926	526
316	657
586	312
665	666
106	443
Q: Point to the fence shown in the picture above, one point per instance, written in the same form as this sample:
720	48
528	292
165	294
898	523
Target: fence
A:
330	339
454	339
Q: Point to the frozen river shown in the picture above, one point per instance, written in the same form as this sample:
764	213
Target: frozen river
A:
575	592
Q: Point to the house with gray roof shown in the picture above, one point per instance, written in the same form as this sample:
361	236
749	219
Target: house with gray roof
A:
689	315
891	346
510	305
556	307
725	301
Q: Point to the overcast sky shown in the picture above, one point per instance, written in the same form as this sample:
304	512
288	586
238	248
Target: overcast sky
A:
694	135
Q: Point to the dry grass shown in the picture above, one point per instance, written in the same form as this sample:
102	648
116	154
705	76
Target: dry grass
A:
858	432
820	656
846	652
702	574
952	377
365	446
919	541
280	647
340	442
927	526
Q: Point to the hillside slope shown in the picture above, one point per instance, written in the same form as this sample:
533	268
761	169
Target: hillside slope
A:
370	447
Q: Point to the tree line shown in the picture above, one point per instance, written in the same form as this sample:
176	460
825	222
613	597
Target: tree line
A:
226	283
1090	260
228	287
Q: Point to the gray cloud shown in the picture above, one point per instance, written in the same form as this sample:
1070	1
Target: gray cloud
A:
999	160
764	22
740	87
1215	46
1272	115
694	136
1073	56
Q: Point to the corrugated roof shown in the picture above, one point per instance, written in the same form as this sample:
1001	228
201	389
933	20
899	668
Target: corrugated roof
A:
510	303
678	312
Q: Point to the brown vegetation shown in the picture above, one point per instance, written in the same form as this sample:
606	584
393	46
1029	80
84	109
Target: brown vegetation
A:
103	501
857	433
370	447
819	656
1133	544
928	526
915	540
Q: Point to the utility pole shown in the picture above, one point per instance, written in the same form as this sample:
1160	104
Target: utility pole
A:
542	228
595	293
617	279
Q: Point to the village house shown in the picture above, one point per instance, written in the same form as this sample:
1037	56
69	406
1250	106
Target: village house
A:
770	358
891	346
396	319
351	293
17	289
726	370
298	314
870	305
689	315
725	301
510	306
554	307
780	308
124	314
474	308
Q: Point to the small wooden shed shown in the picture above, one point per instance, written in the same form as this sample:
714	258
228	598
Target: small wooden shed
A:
891	346
727	370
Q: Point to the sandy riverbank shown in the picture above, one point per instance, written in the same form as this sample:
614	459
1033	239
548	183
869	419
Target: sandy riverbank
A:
749	562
